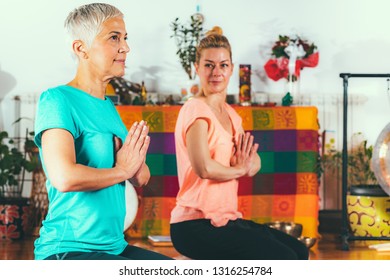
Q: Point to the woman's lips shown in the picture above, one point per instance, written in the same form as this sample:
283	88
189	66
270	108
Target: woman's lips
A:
120	61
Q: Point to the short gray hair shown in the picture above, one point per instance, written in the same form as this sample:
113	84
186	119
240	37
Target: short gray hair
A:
85	22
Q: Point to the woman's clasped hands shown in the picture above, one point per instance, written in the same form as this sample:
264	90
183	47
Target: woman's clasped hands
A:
244	154
131	155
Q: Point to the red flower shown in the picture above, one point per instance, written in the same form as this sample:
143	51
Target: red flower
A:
277	67
9	232
311	61
9	213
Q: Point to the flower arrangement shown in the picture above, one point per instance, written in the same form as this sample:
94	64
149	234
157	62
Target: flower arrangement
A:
290	56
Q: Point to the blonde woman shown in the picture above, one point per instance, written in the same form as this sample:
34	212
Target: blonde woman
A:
212	152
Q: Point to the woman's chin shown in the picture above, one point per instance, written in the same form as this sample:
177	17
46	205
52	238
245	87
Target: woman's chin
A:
217	91
119	73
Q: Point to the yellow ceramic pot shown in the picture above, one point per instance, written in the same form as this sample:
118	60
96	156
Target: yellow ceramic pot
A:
369	215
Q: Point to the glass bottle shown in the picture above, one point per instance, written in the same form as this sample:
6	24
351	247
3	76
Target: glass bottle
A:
144	93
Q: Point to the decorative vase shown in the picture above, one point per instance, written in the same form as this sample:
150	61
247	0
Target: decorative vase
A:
244	96
13	218
368	208
294	90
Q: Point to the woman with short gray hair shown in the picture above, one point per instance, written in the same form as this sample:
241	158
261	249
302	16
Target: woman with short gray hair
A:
87	153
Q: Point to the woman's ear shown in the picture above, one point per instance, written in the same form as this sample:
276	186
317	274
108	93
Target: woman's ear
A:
196	67
79	49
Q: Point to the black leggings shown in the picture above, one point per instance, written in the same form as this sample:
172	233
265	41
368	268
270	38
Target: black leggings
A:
238	240
130	253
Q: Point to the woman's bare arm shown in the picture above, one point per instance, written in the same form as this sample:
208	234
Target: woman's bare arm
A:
66	175
201	161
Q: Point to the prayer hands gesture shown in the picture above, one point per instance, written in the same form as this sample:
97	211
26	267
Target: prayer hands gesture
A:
132	154
245	154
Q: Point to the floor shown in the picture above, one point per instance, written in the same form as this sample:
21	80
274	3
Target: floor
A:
328	247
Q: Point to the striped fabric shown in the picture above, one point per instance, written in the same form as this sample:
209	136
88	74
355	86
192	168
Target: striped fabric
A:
285	189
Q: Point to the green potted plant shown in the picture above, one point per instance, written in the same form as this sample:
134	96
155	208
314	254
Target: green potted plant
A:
187	37
368	205
14	163
360	172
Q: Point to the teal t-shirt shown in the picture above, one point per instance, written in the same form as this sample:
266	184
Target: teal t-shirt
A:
82	221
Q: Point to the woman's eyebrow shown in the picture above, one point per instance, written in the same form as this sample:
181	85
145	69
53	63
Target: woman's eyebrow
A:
116	32
208	60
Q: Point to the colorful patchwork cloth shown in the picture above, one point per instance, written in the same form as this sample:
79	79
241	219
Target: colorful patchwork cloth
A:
285	189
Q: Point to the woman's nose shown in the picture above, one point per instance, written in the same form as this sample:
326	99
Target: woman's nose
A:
217	71
124	47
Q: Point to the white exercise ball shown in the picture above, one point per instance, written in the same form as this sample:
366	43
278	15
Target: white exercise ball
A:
131	204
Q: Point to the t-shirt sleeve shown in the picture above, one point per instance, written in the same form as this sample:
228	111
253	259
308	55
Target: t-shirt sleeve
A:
53	111
192	111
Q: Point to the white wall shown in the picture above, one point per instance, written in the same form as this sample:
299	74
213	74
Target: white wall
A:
351	36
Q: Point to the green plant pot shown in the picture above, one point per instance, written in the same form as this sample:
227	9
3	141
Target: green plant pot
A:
13	217
368	208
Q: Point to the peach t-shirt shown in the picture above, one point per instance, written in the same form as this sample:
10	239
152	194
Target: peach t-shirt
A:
203	198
